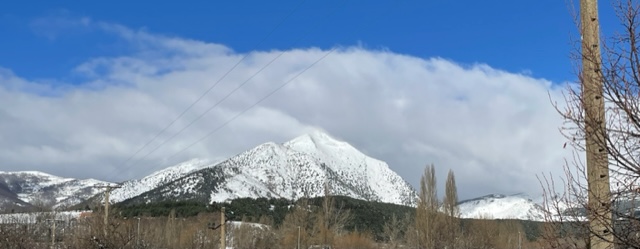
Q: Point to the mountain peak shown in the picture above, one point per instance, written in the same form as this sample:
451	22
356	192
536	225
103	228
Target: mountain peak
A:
298	168
323	146
315	137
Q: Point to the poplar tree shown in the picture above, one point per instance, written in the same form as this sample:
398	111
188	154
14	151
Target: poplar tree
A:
450	208
427	210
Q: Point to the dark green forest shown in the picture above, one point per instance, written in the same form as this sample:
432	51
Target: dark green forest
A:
365	216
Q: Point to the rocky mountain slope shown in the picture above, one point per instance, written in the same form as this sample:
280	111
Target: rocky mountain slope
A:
33	188
301	167
156	179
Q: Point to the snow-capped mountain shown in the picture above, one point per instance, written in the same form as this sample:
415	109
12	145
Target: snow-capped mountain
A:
136	187
302	167
27	188
497	206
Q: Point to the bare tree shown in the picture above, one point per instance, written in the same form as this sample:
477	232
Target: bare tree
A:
355	240
120	233
482	233
330	220
427	209
297	226
393	230
450	208
619	72
15	234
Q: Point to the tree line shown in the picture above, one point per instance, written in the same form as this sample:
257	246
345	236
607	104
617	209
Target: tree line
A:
329	221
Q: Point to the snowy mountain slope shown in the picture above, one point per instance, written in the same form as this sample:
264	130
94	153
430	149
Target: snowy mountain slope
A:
502	207
136	187
298	168
9	200
372	178
38	188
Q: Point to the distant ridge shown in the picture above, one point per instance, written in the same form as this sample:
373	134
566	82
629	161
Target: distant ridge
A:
499	206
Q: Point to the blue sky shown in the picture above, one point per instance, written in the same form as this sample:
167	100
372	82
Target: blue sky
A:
465	85
518	36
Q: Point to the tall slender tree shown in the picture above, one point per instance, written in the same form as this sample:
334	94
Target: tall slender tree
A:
427	210
450	208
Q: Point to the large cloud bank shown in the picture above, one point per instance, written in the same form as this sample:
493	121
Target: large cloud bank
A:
495	129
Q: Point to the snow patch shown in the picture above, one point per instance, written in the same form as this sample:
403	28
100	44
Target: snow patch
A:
134	188
502	207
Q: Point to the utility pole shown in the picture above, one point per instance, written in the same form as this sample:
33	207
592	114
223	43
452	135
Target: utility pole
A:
223	237
138	233
106	205
222	226
600	220
53	233
519	240
298	238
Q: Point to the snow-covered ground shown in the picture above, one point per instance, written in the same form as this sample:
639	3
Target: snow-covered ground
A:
29	218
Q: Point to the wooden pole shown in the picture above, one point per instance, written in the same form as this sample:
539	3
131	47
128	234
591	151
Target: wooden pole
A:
600	221
223	237
519	240
138	233
53	233
106	206
106	210
298	247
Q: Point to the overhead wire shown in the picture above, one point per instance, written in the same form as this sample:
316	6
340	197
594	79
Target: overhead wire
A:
255	104
215	83
308	31
326	54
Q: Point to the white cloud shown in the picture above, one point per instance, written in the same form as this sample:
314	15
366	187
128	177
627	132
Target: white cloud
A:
495	129
59	22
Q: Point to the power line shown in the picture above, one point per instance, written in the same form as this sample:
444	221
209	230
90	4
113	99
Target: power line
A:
254	104
263	98
210	88
214	84
237	88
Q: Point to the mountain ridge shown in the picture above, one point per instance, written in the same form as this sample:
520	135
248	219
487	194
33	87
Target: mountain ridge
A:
499	206
300	167
207	171
29	189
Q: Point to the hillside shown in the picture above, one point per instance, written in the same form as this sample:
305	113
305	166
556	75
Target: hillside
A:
497	206
302	167
32	188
